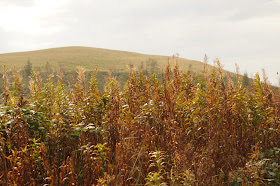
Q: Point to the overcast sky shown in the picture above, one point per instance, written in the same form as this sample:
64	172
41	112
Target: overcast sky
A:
246	32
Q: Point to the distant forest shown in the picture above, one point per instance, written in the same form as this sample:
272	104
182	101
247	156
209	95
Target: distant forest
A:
149	67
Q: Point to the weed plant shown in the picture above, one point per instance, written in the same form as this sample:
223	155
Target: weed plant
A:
180	130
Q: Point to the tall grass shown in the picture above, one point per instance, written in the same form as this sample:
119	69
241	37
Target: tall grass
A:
181	130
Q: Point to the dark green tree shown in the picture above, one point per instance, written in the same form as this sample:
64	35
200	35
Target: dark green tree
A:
27	68
246	80
48	68
142	66
152	66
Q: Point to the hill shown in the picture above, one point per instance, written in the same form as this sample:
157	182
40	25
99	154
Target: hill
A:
68	58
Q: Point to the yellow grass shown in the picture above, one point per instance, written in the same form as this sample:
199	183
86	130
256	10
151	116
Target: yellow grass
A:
69	58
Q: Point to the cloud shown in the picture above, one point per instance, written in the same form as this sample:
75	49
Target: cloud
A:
5	38
33	19
16	2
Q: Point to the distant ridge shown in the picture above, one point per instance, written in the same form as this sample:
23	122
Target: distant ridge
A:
69	58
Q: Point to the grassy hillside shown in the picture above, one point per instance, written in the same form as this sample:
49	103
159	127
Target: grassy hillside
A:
69	58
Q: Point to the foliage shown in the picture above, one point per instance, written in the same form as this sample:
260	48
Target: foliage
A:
261	170
180	129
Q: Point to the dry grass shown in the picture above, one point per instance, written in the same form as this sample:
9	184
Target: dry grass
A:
89	58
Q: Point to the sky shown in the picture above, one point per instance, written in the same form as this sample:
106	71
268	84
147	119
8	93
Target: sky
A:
242	32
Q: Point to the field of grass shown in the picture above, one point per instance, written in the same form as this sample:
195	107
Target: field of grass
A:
89	58
180	130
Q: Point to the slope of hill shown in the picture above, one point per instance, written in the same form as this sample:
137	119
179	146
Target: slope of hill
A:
69	58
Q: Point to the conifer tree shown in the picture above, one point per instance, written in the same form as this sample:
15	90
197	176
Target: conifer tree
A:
28	68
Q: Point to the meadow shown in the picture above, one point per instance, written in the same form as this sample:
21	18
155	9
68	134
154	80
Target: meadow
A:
68	58
182	129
